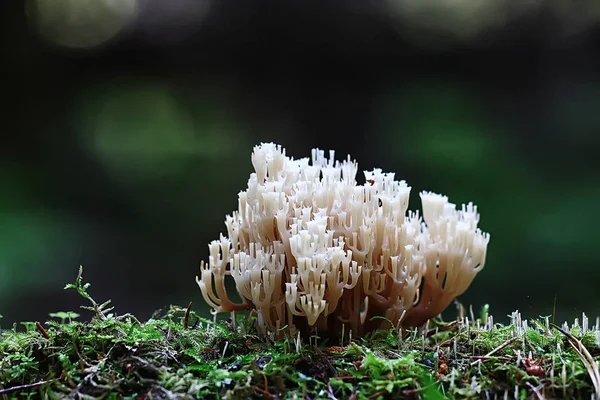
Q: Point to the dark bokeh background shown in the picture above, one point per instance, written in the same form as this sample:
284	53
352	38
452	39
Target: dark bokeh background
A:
129	125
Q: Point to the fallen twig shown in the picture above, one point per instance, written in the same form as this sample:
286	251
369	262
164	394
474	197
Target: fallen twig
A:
497	349
442	328
186	319
539	395
376	395
263	391
27	386
42	330
487	358
330	392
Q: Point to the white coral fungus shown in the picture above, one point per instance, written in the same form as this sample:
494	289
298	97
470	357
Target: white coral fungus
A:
309	247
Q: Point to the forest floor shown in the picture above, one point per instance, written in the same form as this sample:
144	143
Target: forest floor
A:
179	355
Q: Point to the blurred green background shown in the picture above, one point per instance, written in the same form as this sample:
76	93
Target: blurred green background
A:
129	127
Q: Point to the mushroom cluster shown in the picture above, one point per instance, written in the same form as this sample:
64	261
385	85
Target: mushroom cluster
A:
309	248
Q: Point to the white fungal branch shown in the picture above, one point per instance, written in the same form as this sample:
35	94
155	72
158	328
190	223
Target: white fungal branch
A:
308	243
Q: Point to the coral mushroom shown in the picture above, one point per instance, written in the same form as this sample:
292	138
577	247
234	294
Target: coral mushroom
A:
309	247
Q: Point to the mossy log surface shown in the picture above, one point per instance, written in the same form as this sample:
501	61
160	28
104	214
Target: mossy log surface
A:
179	355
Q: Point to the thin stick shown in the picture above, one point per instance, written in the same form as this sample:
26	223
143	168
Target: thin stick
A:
263	391
487	358
186	319
41	329
442	328
391	353
330	392
266	383
380	393
497	349
536	391
28	386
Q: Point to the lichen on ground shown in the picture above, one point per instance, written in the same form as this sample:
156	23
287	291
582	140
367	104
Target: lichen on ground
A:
180	355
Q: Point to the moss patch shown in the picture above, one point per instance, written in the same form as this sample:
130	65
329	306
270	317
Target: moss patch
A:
179	355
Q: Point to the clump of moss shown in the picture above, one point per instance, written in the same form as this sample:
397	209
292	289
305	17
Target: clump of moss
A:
180	355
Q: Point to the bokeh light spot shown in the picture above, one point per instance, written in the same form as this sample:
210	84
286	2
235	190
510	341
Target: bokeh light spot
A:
438	22
436	126
80	24
142	132
31	243
573	114
562	222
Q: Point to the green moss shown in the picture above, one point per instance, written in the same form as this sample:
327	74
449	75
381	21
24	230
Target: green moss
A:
114	357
